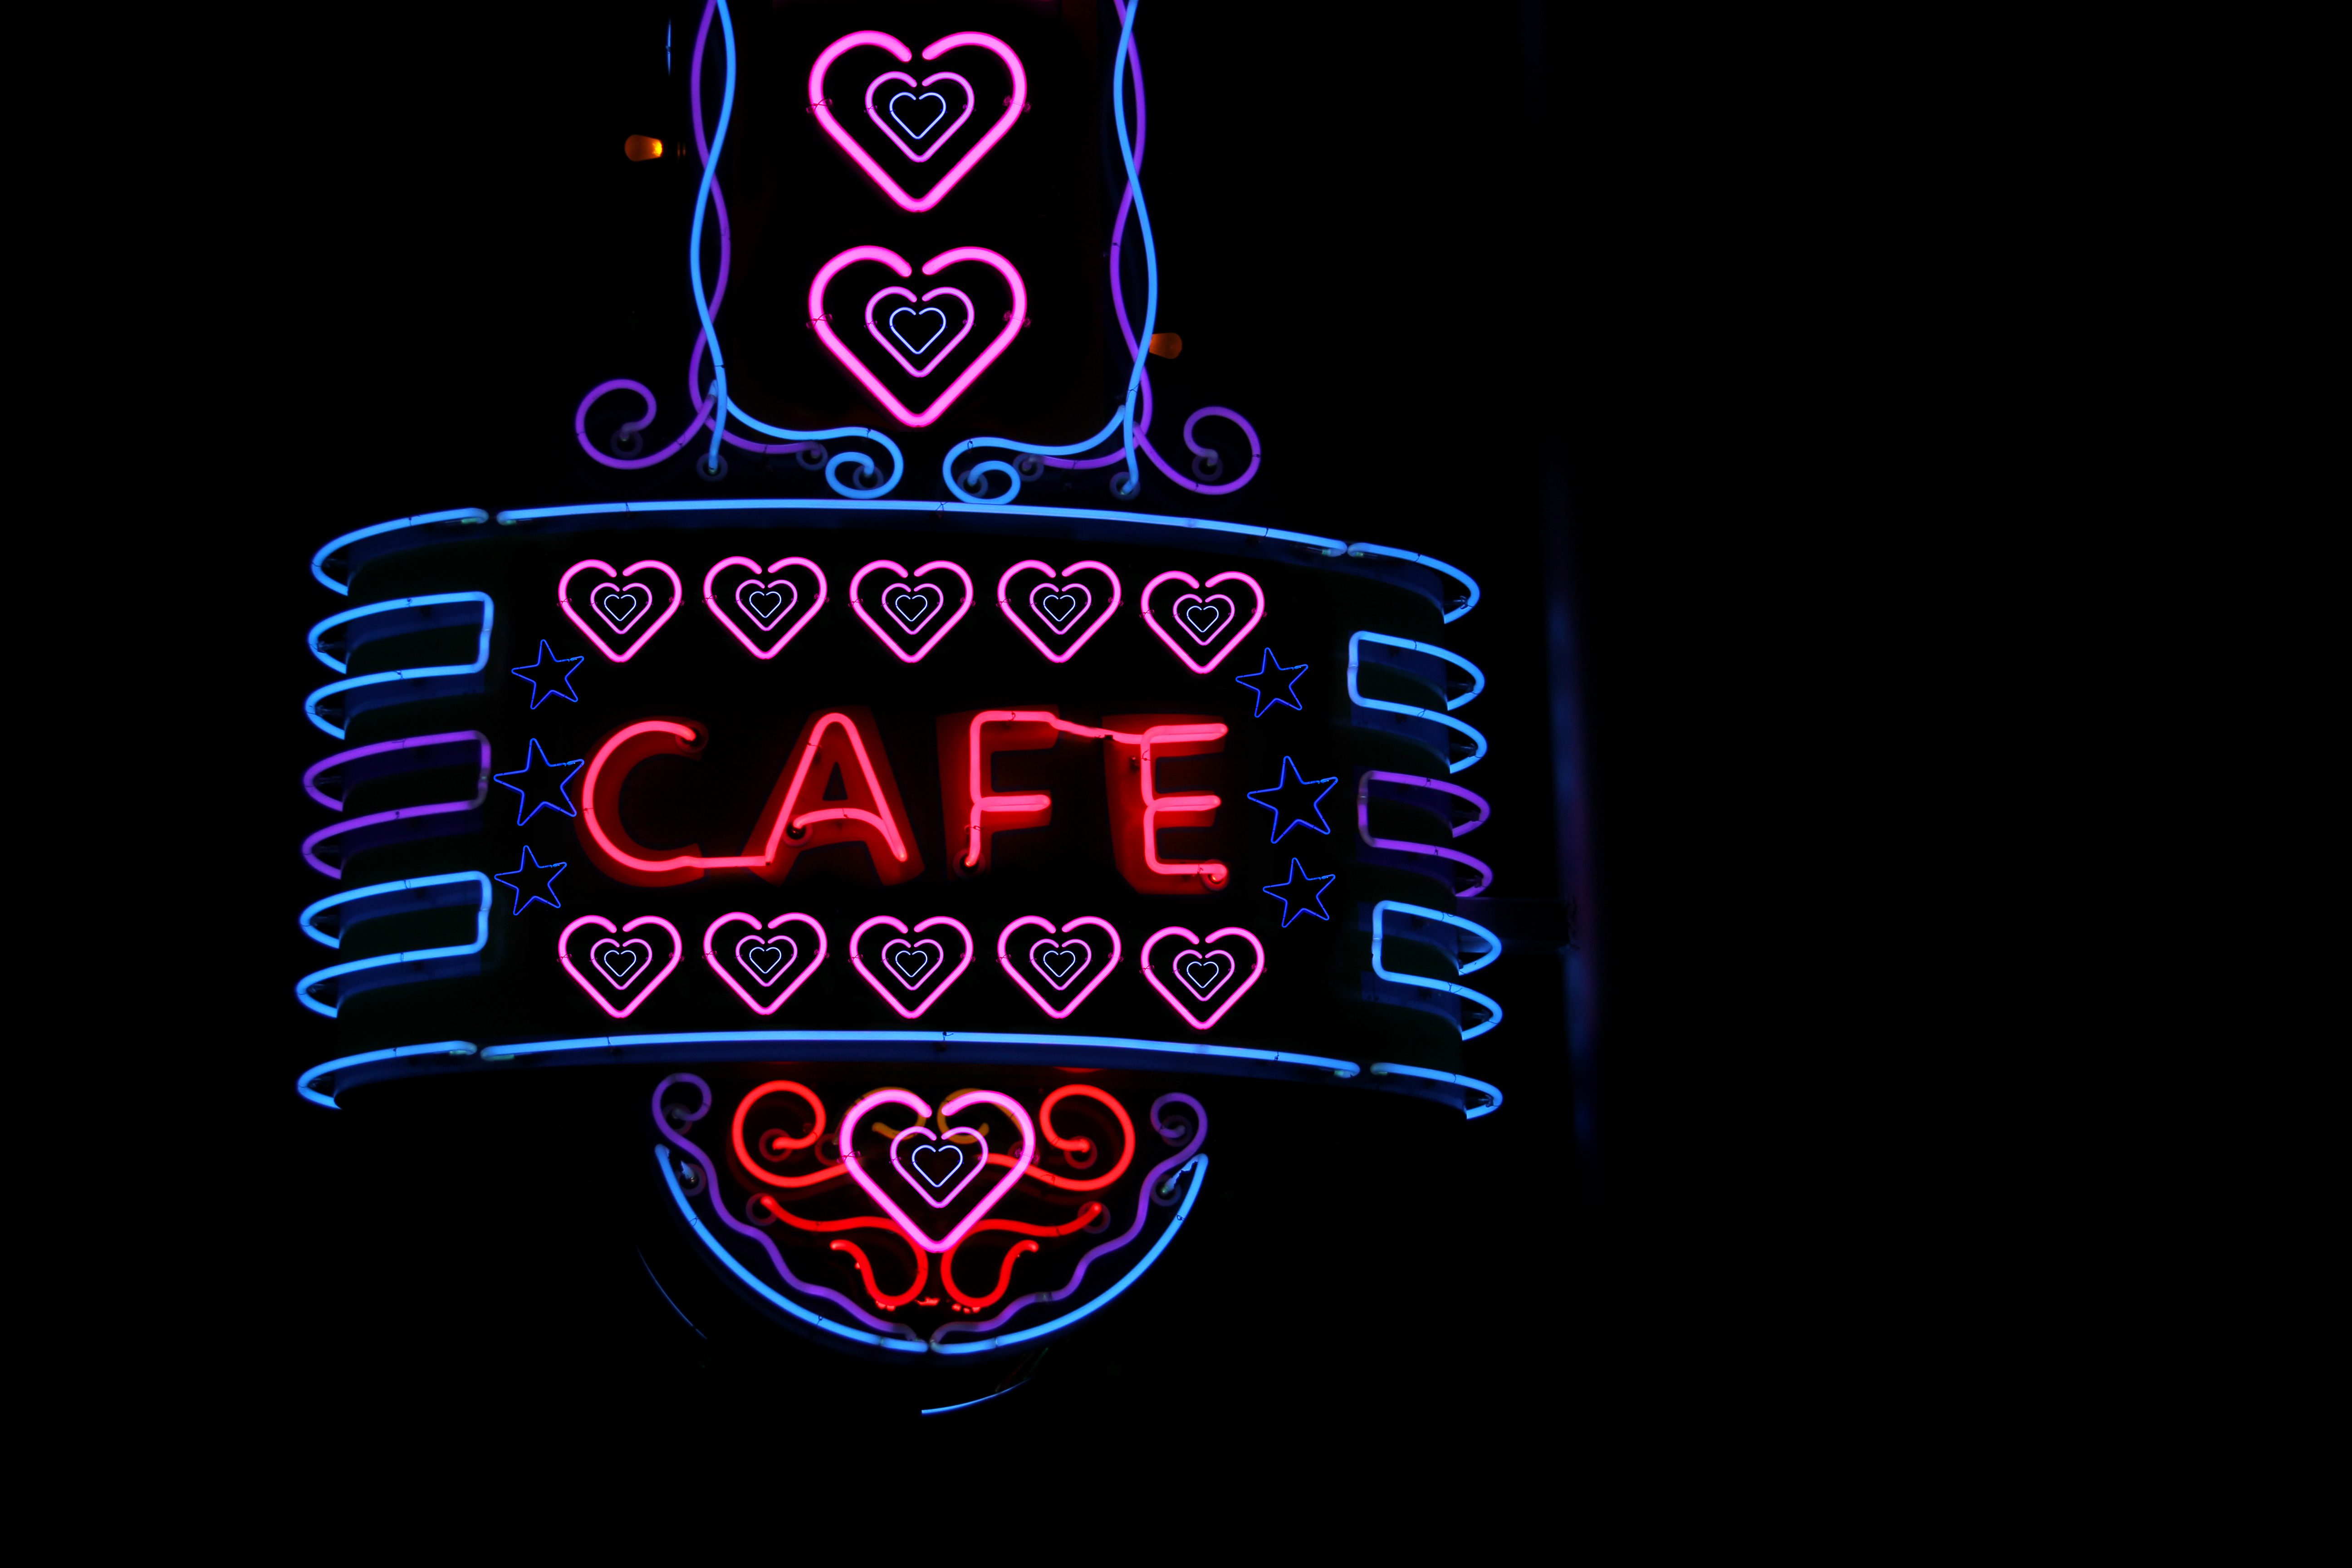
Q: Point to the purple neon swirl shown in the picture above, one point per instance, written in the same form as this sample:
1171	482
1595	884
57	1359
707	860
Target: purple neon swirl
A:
711	1188
1126	332
1160	1174
702	406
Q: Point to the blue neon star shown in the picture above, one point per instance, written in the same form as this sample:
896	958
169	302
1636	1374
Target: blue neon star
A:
551	676
1292	805
1274	672
532	882
546	791
1302	894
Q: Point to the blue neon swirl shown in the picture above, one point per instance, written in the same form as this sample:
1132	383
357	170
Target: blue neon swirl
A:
438	1048
1494	950
1356	695
423	602
1124	420
303	988
318	562
428	672
720	406
1459	1080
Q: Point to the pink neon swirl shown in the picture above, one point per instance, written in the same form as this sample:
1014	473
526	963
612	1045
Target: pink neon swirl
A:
1014	321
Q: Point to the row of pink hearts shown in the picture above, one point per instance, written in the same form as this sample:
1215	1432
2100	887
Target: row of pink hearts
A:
918	965
915	603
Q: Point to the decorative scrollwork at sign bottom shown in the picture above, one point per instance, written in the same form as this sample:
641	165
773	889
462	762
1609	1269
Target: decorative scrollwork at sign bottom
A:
1208	465
917	1222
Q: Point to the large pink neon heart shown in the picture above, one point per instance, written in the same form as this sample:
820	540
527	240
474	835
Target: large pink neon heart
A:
745	951
903	613
616	588
764	599
1014	319
905	976
1199	977
822	106
607	968
1222	618
1075	626
855	1118
937	1161
919	336
1040	953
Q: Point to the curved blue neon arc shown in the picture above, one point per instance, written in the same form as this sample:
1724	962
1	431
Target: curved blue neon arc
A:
919	1037
437	1048
1477	676
311	703
1198	1166
1356	695
1459	1080
424	602
421	891
327	551
1386	907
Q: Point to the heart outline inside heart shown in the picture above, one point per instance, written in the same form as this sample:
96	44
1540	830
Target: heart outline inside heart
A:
1241	628
608	954
1189	963
856	1118
588	629
1044	952
717	963
1077	596
760	576
1201	627
822	322
909	962
924	1187
858	603
1199	947
857	961
971	314
971	103
821	107
652	983
1056	579
604	596
1004	958
780	952
896	597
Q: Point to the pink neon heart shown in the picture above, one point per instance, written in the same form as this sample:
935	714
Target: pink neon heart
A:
1196	953
1243	628
1004	957
780	952
1059	604
900	943
856	1118
617	606
1200	616
971	101
898	597
1202	973
822	106
1014	319
909	962
608	942
1057	582
757	934
858	603
763	579
621	962
1073	954
563	601
969	315
942	1145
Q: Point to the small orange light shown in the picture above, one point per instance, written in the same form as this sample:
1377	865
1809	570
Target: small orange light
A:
1167	345
642	149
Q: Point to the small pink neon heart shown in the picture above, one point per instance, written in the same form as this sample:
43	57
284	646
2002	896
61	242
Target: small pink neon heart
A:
1059	620
1201	974
1014	319
1203	615
822	106
939	1161
764	599
622	962
910	583
904	111
1042	954
621	605
914	329
917	964
855	1120
764	971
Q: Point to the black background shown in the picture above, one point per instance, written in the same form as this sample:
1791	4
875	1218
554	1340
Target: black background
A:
434	249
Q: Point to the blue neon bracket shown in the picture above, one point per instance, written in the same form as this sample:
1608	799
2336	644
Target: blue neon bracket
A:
1406	715
333	705
1494	1009
330	920
342	543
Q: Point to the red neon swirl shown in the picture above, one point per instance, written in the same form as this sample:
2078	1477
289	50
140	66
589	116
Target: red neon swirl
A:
743	1155
1078	1145
1003	1274
1087	1213
865	1269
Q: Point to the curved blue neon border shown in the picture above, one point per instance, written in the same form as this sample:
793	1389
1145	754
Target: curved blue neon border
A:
1477	676
318	562
1459	1080
1494	950
386	607
419	956
481	661
1198	1164
437	1048
919	1037
1356	696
